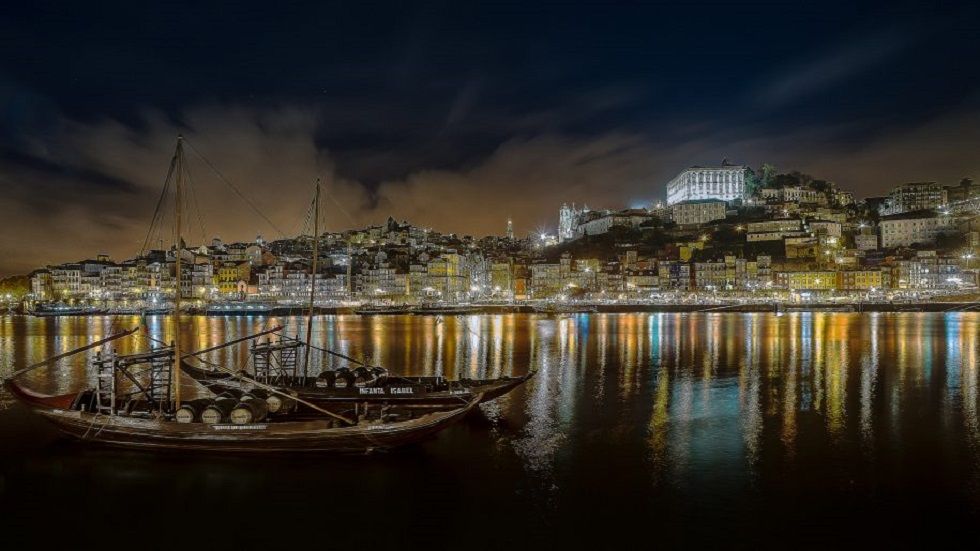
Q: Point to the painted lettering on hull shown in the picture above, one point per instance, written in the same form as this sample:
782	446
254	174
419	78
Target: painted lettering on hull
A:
390	390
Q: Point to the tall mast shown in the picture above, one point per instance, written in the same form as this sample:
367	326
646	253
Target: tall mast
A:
316	253
350	263
178	163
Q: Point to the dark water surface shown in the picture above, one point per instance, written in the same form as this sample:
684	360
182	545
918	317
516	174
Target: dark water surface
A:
718	430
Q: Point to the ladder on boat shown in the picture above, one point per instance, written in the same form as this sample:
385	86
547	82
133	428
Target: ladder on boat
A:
275	362
105	382
146	376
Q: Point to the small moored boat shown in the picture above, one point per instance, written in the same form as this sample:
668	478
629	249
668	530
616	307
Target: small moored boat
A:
154	429
446	309
563	308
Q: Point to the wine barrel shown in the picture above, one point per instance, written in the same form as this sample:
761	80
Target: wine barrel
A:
326	379
344	378
249	410
219	409
259	393
188	412
281	404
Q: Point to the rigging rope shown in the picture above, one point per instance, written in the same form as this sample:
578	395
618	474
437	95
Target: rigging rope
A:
234	188
193	199
160	201
342	209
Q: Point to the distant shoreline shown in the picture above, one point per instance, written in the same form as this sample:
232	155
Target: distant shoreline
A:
842	307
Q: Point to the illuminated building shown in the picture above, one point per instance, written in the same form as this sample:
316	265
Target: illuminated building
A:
697	212
913	197
674	275
861	280
807	280
774	230
568	221
794	195
546	280
866	241
725	183
230	275
902	230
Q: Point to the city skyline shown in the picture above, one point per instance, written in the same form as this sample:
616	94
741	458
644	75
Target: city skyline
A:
274	230
725	234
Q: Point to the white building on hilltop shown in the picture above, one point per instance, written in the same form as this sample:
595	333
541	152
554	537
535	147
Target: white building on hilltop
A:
568	219
726	183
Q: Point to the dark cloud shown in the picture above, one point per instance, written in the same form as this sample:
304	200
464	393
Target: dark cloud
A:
78	180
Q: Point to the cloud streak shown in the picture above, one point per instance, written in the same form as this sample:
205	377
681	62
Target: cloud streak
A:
831	69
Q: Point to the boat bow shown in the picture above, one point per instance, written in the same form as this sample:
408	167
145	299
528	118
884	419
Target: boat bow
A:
36	399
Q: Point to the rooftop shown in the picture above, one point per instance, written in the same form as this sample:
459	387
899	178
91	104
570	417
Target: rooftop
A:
911	215
698	201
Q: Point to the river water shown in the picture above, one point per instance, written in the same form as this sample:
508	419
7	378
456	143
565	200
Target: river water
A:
680	429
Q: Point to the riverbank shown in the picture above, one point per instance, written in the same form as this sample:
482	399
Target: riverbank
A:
614	308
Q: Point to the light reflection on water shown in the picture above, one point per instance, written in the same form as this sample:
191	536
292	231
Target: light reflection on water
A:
704	404
750	365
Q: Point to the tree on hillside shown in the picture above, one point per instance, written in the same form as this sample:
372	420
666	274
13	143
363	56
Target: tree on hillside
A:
16	286
753	183
787	180
821	185
768	175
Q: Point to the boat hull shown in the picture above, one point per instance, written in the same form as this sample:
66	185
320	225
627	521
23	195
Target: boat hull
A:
317	436
410	394
383	311
446	311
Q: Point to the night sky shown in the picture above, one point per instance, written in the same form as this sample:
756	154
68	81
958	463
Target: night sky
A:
457	117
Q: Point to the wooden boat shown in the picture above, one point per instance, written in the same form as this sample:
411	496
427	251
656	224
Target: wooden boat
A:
339	388
154	430
277	363
446	310
60	309
369	310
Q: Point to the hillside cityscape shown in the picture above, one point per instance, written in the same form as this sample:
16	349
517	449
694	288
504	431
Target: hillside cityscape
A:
725	233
